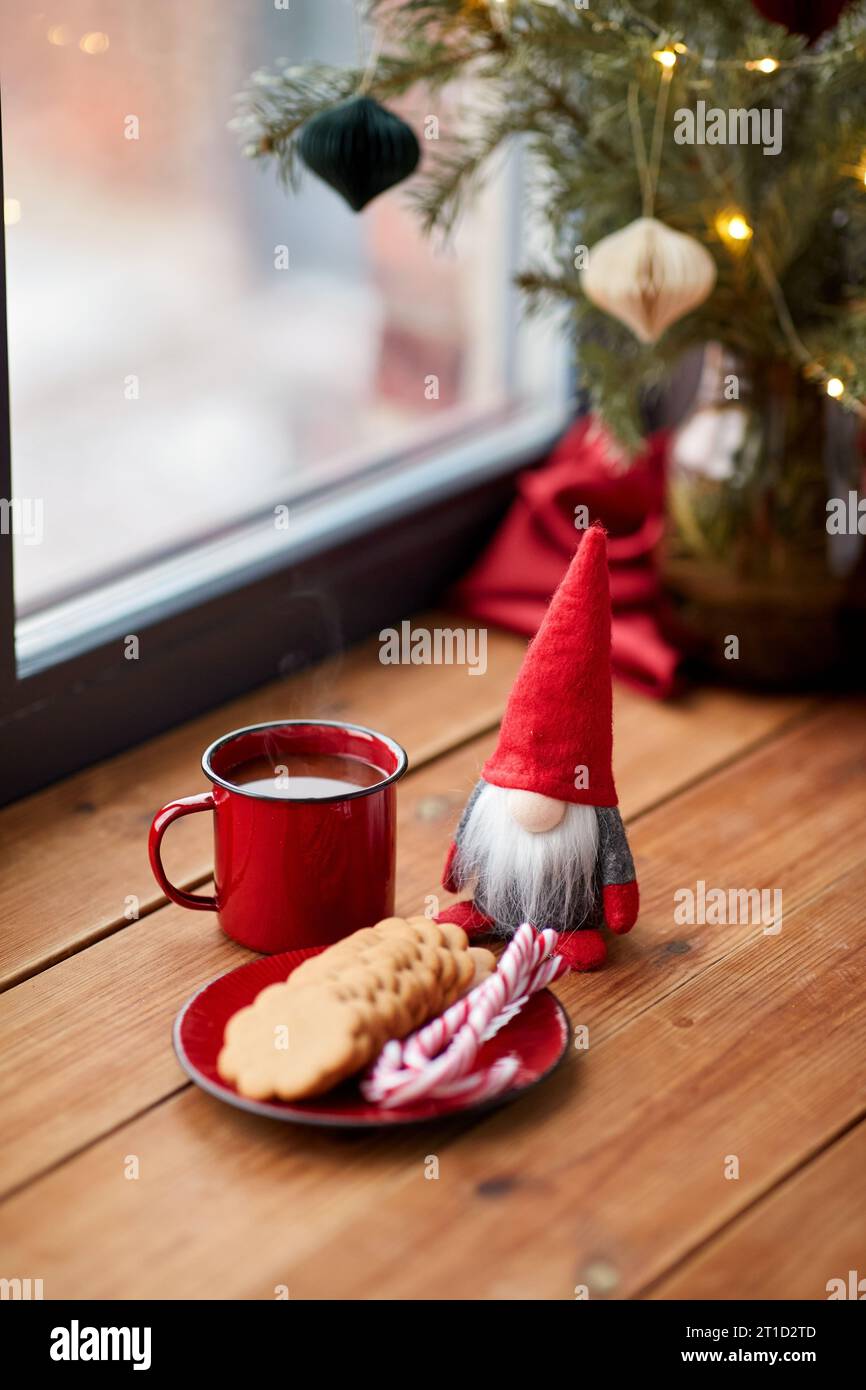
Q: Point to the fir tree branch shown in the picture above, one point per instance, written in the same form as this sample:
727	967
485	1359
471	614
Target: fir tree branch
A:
561	76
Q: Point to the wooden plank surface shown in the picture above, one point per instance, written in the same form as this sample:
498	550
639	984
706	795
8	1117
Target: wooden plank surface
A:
809	1232
74	858
74	855
706	1043
175	951
580	1181
598	1178
616	1178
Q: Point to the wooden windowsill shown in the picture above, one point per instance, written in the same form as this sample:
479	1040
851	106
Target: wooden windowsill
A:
704	1041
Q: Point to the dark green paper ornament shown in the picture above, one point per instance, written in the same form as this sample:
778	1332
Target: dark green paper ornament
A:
360	149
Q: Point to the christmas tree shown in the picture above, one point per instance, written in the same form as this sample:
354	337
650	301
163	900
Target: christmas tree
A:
700	167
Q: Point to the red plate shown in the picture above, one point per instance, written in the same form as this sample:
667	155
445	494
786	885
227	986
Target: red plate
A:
538	1035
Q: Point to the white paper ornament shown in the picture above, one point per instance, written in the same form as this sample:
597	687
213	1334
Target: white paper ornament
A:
648	276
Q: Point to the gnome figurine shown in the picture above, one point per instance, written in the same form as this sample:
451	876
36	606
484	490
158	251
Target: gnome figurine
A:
541	839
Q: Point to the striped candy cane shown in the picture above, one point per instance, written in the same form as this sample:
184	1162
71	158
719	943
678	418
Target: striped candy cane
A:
438	1059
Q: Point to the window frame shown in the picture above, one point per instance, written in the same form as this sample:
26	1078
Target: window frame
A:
367	552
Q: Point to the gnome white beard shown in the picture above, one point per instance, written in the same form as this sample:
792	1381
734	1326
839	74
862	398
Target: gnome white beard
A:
518	876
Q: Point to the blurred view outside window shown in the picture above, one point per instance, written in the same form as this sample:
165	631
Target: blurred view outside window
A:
168	380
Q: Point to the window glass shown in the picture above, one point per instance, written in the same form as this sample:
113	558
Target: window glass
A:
169	378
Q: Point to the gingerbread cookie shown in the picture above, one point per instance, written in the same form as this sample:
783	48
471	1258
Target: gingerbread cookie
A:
335	1012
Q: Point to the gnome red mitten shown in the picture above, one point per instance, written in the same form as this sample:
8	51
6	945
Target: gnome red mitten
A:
540	839
621	902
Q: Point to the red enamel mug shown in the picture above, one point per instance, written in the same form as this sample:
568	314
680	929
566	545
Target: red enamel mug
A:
300	872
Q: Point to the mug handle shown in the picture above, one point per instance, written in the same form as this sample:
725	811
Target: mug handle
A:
184	806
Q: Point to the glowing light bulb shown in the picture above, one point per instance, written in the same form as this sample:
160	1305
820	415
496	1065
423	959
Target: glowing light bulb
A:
666	57
11	211
739	229
763	65
58	34
733	228
835	388
93	43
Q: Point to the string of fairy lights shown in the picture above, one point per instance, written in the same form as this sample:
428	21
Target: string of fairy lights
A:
736	232
731	223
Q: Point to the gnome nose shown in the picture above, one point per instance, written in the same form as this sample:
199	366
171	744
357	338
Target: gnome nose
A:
534	812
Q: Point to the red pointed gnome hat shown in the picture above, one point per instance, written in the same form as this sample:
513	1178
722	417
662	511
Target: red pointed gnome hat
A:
557	734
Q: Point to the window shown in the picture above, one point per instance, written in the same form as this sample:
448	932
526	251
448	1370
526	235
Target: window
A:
195	356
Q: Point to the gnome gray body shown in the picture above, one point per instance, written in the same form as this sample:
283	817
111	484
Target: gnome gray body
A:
613	864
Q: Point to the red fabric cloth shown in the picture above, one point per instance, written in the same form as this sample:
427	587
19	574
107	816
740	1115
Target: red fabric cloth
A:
512	582
556	735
